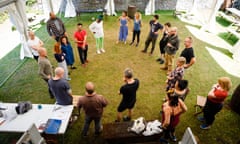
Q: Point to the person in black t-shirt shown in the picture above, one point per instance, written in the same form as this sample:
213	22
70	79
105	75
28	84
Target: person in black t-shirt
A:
155	26
188	53
128	92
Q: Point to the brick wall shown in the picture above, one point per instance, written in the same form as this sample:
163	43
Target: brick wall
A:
93	5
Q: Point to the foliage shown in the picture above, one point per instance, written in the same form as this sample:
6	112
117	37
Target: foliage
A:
30	2
106	71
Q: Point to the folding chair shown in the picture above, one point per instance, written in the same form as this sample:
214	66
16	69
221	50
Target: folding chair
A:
32	136
201	100
188	137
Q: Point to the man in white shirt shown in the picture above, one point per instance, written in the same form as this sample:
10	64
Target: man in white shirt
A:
34	43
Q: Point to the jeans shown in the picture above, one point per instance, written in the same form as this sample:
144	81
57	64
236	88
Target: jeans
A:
87	122
210	110
83	54
136	33
147	42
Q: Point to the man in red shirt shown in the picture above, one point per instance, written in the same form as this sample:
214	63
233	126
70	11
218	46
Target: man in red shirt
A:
80	37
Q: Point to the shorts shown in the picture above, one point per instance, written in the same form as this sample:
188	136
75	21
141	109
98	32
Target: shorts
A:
123	106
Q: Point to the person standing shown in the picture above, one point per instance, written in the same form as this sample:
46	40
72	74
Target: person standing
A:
45	67
97	29
188	52
34	43
129	94
60	58
55	27
123	31
136	28
215	100
171	49
80	37
172	109
176	74
163	42
155	26
92	104
60	88
68	51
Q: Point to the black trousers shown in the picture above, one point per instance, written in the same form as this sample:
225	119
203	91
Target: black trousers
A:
136	33
35	57
49	90
210	110
83	54
147	42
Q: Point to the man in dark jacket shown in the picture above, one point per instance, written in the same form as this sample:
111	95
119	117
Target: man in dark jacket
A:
171	49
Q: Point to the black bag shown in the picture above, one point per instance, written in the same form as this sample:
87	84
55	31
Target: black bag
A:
23	107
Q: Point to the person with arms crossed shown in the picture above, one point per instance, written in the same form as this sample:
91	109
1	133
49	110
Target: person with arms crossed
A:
188	52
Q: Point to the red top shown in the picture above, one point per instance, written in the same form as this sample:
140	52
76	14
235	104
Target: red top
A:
220	96
79	35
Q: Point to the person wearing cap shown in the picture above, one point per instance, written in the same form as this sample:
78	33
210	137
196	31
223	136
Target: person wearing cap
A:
128	92
97	29
176	74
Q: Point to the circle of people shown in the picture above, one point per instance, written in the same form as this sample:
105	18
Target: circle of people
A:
93	103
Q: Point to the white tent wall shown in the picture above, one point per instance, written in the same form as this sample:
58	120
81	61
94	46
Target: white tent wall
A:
150	8
17	14
51	6
110	7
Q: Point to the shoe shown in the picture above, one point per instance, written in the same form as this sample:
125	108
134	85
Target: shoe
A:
73	67
201	118
143	51
68	79
98	52
163	68
125	42
117	121
205	126
158	60
174	138
102	50
126	118
99	132
131	43
136	45
161	61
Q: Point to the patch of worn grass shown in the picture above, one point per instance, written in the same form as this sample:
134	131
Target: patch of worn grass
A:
106	71
230	38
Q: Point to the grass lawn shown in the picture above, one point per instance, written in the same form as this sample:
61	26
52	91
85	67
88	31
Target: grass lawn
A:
106	71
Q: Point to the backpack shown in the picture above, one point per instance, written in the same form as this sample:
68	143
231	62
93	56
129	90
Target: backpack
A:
23	107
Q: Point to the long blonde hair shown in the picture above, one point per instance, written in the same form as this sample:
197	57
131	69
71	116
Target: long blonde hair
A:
138	16
225	83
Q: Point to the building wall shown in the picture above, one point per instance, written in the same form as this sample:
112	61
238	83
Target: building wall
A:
93	5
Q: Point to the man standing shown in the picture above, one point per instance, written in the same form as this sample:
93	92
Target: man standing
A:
155	26
45	67
60	88
55	27
188	53
128	91
80	37
34	43
92	104
171	49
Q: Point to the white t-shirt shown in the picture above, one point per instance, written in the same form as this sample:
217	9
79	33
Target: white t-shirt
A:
97	28
34	42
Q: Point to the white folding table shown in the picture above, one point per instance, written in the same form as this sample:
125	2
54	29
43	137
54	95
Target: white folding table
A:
38	116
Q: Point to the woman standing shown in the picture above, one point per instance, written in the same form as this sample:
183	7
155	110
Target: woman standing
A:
214	102
172	109
97	29
163	42
60	57
136	28
67	50
123	31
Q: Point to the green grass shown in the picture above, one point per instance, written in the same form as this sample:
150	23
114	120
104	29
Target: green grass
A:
230	38
223	21
106	71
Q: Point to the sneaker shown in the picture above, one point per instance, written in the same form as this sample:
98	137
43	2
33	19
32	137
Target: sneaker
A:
173	137
161	61
73	67
98	52
68	79
201	118
143	51
158	60
126	118
125	42
102	50
205	126
131	43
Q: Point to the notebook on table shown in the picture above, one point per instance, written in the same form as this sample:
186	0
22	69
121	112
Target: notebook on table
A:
52	126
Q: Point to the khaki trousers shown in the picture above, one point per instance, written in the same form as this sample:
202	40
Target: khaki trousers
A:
169	61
